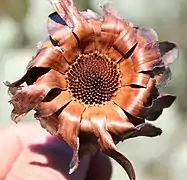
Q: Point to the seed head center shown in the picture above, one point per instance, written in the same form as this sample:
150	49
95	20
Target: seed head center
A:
93	78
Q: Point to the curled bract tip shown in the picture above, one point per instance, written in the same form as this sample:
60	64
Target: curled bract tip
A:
124	162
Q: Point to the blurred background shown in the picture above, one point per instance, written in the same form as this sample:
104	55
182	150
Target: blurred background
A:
23	24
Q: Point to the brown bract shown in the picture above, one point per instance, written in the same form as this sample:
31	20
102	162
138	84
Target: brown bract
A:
95	81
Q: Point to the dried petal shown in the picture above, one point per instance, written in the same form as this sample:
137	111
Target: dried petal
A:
148	34
163	77
169	52
54	23
137	100
49	58
89	14
48	108
69	127
163	101
145	129
146	58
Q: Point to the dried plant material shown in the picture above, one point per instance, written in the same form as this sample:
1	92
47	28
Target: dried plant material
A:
95	81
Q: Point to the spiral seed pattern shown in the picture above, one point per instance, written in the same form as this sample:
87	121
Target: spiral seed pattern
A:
93	78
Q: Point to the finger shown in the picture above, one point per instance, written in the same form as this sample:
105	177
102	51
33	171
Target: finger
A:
43	161
28	132
10	148
41	157
13	139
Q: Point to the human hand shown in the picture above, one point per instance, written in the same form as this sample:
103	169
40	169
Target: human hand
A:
28	152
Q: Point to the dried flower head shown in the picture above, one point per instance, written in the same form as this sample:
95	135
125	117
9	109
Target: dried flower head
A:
95	81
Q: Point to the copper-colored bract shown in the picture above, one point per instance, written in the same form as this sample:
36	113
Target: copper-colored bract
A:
95	81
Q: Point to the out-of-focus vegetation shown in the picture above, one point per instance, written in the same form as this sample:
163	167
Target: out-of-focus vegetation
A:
23	24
